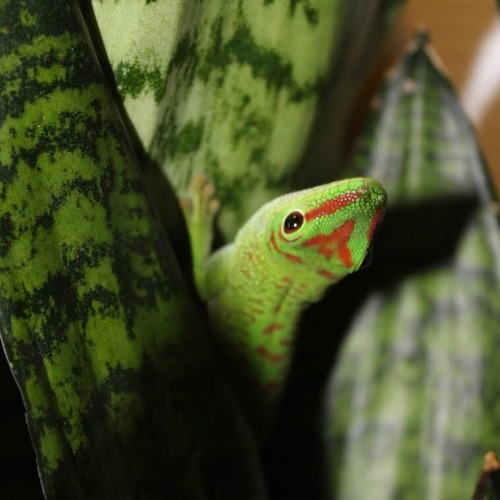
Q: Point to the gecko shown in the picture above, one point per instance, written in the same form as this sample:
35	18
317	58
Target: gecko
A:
282	259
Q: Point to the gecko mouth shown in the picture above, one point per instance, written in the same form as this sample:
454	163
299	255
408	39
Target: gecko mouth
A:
367	260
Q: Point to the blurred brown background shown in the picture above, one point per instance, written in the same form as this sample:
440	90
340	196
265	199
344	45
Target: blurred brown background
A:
457	28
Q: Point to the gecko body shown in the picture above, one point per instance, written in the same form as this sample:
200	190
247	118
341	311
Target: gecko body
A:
285	257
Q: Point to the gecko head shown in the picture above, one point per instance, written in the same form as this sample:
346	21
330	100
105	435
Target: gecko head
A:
328	230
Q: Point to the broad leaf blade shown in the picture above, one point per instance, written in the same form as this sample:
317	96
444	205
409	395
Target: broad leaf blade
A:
412	399
234	98
233	91
122	398
365	24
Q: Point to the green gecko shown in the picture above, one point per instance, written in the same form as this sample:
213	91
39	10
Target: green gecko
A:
285	257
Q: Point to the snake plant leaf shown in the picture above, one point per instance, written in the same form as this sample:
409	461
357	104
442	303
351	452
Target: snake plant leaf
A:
413	399
365	24
234	90
121	394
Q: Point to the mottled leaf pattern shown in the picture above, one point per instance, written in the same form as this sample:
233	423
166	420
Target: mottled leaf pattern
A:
413	399
114	368
234	90
221	92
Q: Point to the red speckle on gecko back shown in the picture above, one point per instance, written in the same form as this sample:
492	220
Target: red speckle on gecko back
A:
273	358
327	274
279	286
272	327
257	301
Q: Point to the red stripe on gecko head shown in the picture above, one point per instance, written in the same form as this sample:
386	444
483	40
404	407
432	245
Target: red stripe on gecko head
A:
335	243
331	206
374	223
289	256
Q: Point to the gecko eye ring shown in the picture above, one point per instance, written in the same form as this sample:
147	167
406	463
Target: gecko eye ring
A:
293	222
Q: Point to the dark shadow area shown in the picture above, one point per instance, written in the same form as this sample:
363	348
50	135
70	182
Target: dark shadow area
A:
488	486
412	238
494	485
18	472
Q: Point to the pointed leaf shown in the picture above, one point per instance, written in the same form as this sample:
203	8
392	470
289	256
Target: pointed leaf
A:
413	397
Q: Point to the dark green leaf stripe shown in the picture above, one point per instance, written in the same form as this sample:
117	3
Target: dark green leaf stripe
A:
133	79
245	77
249	86
414	398
121	395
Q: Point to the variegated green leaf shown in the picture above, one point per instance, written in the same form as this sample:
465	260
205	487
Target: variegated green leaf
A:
122	397
232	89
413	398
234	86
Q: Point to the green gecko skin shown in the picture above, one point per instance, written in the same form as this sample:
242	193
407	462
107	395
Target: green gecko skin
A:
284	258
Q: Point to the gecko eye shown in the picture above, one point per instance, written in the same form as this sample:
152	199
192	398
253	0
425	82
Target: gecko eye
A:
293	222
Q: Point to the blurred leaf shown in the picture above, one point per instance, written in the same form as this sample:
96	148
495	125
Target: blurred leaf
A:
122	398
413	398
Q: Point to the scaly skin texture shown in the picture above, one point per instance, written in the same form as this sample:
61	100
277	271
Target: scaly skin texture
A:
282	259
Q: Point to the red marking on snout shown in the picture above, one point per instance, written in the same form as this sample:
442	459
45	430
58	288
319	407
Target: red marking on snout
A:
374	223
335	243
331	206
